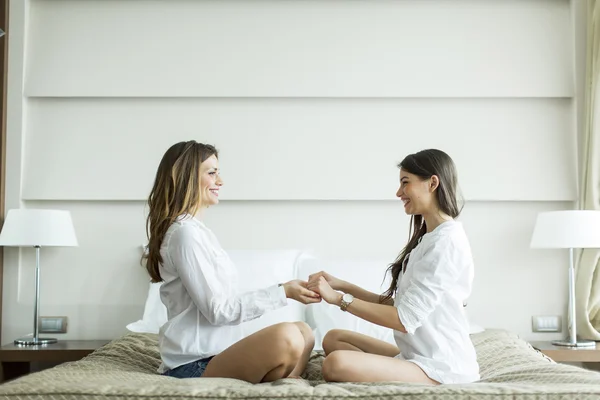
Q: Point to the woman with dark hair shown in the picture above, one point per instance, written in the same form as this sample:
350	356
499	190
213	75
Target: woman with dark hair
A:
202	336
431	278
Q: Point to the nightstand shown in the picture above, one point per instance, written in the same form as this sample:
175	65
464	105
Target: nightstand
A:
18	360
568	354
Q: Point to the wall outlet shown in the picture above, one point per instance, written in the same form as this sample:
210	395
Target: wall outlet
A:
52	325
546	323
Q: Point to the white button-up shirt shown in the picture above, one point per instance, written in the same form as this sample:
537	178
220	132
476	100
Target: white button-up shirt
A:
429	300
204	309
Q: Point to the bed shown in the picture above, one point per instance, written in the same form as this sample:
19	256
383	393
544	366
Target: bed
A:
125	368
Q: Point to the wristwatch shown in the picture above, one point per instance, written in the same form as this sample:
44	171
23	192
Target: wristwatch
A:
347	298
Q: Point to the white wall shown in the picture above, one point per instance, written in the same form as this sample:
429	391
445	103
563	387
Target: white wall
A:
312	104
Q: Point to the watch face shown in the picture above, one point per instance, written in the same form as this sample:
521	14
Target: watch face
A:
347	297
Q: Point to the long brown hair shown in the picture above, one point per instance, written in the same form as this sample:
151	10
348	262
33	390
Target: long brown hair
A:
176	191
425	164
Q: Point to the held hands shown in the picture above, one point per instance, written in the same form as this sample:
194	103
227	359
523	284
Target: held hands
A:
297	290
335	283
318	283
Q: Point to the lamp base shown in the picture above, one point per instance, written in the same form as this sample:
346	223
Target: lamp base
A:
579	343
28	341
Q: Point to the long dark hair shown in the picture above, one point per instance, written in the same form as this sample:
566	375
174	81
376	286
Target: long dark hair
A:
176	191
425	164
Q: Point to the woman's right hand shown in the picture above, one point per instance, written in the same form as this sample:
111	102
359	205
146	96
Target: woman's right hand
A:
297	290
335	283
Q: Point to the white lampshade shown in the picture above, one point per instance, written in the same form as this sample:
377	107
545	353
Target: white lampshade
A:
27	227
571	229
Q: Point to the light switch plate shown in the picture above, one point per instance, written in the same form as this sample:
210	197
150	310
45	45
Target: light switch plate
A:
53	325
546	323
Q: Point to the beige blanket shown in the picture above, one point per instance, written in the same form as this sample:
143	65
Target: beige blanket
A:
126	369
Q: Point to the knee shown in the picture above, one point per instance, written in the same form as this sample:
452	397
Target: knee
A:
307	334
334	366
289	343
331	340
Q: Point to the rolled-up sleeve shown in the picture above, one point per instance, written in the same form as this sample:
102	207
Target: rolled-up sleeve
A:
433	275
190	254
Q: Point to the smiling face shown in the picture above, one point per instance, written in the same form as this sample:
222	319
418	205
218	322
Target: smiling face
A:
210	182
417	194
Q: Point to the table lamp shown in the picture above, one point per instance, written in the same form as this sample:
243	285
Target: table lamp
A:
37	228
570	229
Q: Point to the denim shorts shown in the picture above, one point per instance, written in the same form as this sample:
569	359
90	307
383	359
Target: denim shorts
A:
195	369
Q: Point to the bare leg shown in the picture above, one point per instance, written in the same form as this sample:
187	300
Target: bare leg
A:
340	339
265	356
353	366
309	344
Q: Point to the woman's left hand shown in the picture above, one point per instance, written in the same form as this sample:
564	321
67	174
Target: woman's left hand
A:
321	286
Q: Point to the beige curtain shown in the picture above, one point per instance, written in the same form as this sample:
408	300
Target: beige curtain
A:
588	268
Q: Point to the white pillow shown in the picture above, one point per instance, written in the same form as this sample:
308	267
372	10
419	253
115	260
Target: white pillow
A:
323	317
155	312
257	269
475	328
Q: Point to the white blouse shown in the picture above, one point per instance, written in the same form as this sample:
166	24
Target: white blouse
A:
199	291
429	299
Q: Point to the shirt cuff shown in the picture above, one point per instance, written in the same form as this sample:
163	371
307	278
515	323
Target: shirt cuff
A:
277	294
409	315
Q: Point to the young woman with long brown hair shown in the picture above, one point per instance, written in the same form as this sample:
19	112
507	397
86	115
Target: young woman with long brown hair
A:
431	278
202	336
